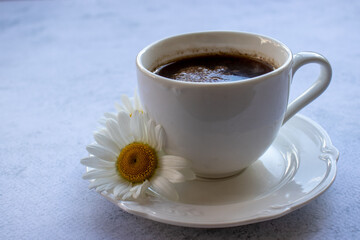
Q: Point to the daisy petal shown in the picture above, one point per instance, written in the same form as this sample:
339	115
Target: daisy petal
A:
171	161
119	108
106	187
121	189
101	181
115	133
144	189
127	195
127	103
95	162
171	174
187	173
110	115
135	125
164	188
137	102
151	133
104	118
127	189
160	137
106	142
103	131
102	121
146	185
142	127
101	188
145	121
123	120
145	117
101	152
93	174
136	190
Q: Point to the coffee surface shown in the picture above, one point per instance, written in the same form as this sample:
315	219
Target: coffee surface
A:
214	68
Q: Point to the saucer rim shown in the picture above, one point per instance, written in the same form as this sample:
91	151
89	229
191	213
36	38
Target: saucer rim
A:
298	203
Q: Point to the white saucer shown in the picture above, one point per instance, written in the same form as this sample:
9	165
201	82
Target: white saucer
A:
298	167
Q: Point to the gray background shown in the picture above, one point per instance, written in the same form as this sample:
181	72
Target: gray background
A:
63	64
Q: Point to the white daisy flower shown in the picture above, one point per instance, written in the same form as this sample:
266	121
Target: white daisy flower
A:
128	159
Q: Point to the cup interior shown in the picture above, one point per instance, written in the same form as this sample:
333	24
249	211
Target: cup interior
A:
195	44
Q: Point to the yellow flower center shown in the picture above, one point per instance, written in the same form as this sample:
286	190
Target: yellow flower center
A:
136	162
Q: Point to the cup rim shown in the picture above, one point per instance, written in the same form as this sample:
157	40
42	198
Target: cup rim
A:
154	76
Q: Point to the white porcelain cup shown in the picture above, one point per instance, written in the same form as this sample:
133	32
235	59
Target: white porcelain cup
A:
224	127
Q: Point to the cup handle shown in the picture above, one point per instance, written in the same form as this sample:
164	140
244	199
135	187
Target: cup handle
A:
316	89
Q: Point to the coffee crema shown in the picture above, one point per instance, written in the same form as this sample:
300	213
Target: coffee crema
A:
214	68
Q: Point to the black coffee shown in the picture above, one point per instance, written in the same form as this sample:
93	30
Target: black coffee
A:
214	68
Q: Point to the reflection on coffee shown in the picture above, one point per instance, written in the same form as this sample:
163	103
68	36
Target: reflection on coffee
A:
214	68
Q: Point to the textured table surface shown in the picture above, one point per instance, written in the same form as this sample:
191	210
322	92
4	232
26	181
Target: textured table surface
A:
63	64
